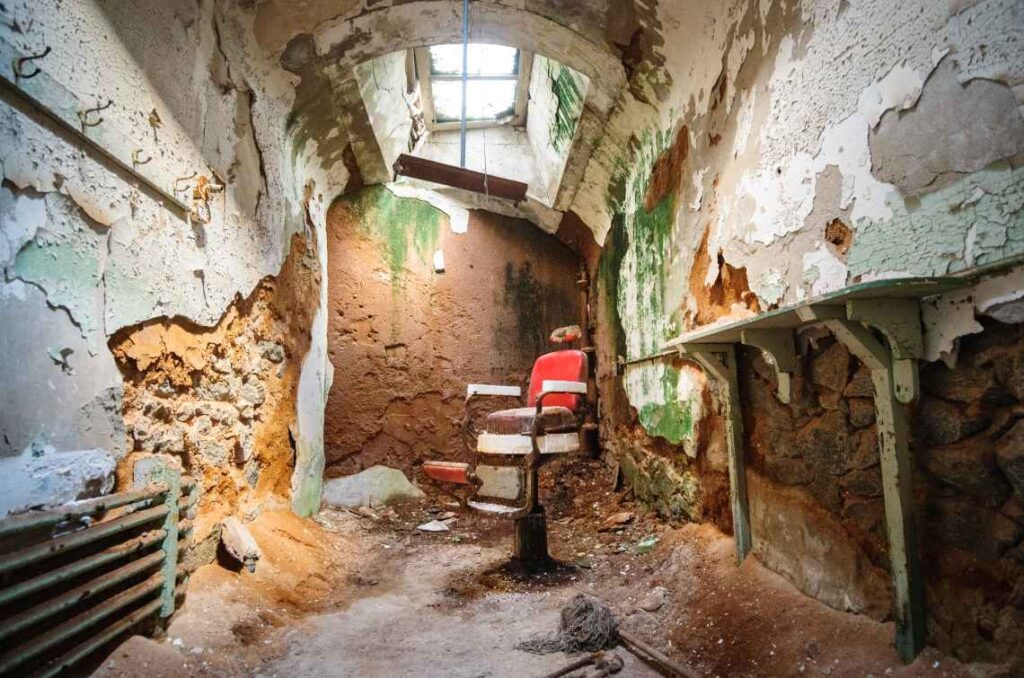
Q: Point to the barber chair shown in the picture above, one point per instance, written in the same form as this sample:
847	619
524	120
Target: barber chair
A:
514	443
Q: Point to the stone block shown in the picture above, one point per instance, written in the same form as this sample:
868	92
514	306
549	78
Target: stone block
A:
376	486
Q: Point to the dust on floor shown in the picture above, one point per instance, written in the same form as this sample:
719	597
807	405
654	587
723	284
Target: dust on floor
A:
370	596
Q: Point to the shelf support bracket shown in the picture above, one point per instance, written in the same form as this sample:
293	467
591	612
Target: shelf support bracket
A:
900	321
719	362
896	463
780	348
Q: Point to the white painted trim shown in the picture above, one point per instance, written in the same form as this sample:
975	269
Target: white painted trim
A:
493	390
518	444
556	386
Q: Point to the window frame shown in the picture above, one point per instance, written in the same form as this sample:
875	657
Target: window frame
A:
517	119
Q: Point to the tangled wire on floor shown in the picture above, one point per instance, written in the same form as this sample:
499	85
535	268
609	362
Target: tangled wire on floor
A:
587	625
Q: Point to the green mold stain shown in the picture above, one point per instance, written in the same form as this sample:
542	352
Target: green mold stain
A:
669	419
569	98
634	270
398	225
524	297
674	493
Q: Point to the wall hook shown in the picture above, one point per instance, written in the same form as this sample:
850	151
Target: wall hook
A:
19	65
137	157
181	179
85	116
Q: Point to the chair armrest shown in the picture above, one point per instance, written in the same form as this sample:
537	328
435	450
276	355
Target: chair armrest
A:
556	386
492	390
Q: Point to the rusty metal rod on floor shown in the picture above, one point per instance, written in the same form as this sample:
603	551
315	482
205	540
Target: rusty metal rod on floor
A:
77	595
657	659
19	655
37	519
587	660
79	567
32	554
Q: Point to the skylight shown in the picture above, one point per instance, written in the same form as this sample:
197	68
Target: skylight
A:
495	84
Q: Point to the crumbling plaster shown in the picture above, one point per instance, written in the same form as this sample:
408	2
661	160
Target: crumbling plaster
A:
107	255
799	114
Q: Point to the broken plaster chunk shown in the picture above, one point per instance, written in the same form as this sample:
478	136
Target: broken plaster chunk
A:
654	600
239	543
376	486
433	526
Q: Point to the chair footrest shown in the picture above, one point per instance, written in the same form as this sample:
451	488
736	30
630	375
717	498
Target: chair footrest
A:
448	471
496	509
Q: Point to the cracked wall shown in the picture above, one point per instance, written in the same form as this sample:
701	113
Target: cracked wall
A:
406	339
792	149
88	251
223	398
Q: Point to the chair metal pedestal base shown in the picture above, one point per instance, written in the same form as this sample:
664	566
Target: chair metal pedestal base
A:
531	540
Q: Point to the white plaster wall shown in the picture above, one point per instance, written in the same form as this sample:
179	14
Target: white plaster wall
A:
550	154
383	84
86	253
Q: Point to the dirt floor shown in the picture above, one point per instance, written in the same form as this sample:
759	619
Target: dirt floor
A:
368	595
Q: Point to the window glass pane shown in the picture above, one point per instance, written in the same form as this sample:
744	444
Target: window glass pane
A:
485	99
483	59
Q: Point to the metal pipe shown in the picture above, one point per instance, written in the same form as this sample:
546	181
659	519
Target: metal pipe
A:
465	65
75	625
79	567
37	519
78	594
27	556
79	653
82	651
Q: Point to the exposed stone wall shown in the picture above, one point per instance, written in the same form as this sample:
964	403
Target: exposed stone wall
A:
406	340
223	398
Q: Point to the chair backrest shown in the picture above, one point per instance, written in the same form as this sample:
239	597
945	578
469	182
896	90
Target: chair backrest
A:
569	365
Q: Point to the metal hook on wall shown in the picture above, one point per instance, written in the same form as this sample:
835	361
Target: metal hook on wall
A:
181	179
19	65
84	116
137	157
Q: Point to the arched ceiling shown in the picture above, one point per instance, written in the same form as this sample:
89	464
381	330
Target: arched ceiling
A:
314	46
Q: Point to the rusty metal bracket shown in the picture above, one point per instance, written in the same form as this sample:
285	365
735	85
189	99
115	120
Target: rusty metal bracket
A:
137	157
20	63
85	116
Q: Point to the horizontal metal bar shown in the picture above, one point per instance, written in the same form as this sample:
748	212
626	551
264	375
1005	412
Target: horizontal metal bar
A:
459	177
27	104
27	556
649	358
78	594
79	653
80	567
19	655
37	519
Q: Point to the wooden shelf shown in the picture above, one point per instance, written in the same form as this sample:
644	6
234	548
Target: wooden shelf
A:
792	316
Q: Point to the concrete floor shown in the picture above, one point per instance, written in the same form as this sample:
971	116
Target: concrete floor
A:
413	627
